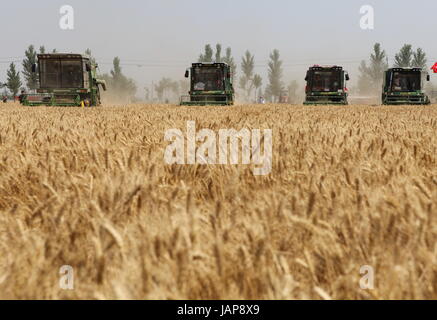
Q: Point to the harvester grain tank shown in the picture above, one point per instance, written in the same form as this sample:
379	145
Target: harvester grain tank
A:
65	80
326	85
405	86
210	84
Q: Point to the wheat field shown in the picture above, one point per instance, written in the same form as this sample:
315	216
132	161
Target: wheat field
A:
350	187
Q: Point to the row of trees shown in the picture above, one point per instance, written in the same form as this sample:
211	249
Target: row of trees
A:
210	56
168	90
370	79
372	73
13	80
249	81
121	88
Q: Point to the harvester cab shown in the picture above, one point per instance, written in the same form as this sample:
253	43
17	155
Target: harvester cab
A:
405	86
65	80
326	85
210	84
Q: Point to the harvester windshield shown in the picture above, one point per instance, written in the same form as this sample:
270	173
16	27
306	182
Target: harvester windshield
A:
208	79
61	73
406	81
326	80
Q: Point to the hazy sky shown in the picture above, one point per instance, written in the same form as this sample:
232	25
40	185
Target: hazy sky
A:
165	36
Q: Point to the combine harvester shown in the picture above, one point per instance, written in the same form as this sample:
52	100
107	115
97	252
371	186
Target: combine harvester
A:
326	85
68	80
210	84
404	86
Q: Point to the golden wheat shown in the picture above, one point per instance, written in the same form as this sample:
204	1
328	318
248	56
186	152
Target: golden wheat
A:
350	186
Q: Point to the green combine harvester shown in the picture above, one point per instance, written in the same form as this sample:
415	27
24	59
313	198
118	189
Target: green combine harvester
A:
211	84
68	80
404	86
326	85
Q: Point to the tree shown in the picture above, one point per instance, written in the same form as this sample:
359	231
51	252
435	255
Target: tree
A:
120	88
275	86
13	81
378	64
419	59
247	67
31	78
163	86
403	59
207	55
229	60
364	80
371	76
218	53
257	83
42	50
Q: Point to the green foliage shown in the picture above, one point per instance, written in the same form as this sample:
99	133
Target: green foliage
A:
164	85
229	60
247	67
364	79
257	83
218	53
371	76
407	58
120	88
404	58
207	55
419	59
275	86
31	78
13	80
170	90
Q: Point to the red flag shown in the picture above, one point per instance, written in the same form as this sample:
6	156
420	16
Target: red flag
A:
434	68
